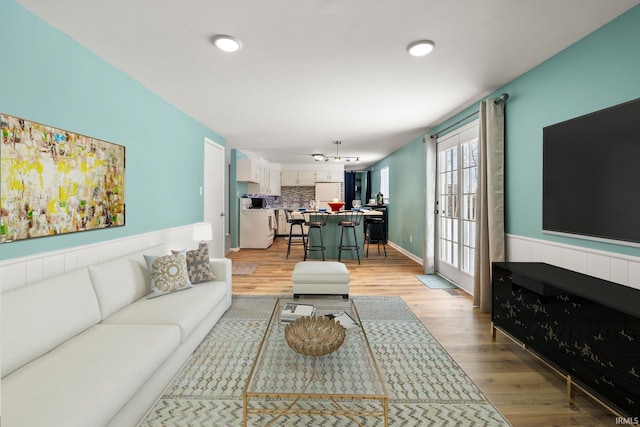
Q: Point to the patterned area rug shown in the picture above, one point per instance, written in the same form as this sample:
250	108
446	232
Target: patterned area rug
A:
426	387
243	268
433	281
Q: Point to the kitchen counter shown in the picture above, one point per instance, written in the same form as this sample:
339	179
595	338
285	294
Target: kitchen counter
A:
376	234
343	213
331	236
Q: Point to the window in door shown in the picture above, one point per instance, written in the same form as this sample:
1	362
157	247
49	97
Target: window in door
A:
457	167
468	215
384	183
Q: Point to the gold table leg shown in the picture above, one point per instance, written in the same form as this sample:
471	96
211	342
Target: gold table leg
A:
342	411
570	391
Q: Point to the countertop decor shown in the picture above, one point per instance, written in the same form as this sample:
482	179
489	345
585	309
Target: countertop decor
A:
335	206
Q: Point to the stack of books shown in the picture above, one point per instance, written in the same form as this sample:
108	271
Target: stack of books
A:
344	319
293	311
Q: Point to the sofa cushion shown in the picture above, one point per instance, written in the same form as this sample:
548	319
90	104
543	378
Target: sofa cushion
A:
89	378
185	309
121	281
168	274
38	317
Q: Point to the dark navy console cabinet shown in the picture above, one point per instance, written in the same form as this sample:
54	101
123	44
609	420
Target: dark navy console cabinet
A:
587	329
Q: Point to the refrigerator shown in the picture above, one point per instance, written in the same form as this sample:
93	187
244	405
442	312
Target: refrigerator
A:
328	192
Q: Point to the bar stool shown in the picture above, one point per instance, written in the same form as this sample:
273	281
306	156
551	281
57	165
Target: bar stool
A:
374	232
349	220
315	220
295	221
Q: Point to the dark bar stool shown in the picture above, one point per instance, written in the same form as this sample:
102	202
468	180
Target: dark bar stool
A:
315	220
374	232
349	220
293	222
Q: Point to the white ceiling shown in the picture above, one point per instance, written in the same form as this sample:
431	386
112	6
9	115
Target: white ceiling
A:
314	71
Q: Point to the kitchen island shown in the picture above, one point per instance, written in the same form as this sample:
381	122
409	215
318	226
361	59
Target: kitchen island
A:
331	236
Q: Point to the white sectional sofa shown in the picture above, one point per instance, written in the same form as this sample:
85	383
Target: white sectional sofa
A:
87	348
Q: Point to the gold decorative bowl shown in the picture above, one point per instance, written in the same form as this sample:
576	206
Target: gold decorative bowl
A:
314	336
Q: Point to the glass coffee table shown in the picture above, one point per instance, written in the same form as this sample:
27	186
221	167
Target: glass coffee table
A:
347	382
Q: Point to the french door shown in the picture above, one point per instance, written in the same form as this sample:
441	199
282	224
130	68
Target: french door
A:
457	185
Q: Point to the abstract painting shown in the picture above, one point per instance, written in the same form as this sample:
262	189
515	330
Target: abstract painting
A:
57	182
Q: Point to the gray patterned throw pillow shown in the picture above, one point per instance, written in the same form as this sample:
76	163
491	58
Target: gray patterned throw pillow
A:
198	265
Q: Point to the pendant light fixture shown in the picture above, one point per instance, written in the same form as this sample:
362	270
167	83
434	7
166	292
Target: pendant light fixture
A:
319	157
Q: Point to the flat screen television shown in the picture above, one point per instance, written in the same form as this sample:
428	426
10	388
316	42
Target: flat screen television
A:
591	175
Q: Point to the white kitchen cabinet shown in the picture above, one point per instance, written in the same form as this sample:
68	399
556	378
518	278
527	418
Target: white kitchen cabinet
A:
330	176
289	178
262	186
307	178
298	178
265	180
247	170
262	178
284	227
274	178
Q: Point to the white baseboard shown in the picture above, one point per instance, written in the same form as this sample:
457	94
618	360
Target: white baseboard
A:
405	252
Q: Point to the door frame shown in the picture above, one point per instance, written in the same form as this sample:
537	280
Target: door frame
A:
216	249
456	137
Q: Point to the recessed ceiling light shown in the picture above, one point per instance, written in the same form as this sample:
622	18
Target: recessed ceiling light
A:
421	47
226	43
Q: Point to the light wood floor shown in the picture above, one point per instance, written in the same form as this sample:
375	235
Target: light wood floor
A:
525	391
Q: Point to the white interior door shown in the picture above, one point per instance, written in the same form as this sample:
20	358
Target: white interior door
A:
214	191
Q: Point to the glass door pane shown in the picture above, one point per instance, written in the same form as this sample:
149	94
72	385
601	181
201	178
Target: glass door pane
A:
469	189
448	202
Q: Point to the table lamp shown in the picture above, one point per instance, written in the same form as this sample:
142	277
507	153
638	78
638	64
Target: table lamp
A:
202	233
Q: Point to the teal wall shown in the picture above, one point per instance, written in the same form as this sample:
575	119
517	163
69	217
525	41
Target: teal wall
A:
406	195
49	78
596	72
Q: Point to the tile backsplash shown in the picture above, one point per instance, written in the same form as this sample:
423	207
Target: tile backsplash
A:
294	197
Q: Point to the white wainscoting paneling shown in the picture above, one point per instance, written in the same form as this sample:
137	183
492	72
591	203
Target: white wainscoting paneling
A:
634	275
15	272
618	268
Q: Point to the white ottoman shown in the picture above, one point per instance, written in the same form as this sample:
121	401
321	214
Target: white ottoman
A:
320	278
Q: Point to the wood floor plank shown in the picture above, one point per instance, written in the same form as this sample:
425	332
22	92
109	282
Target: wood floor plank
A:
523	389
